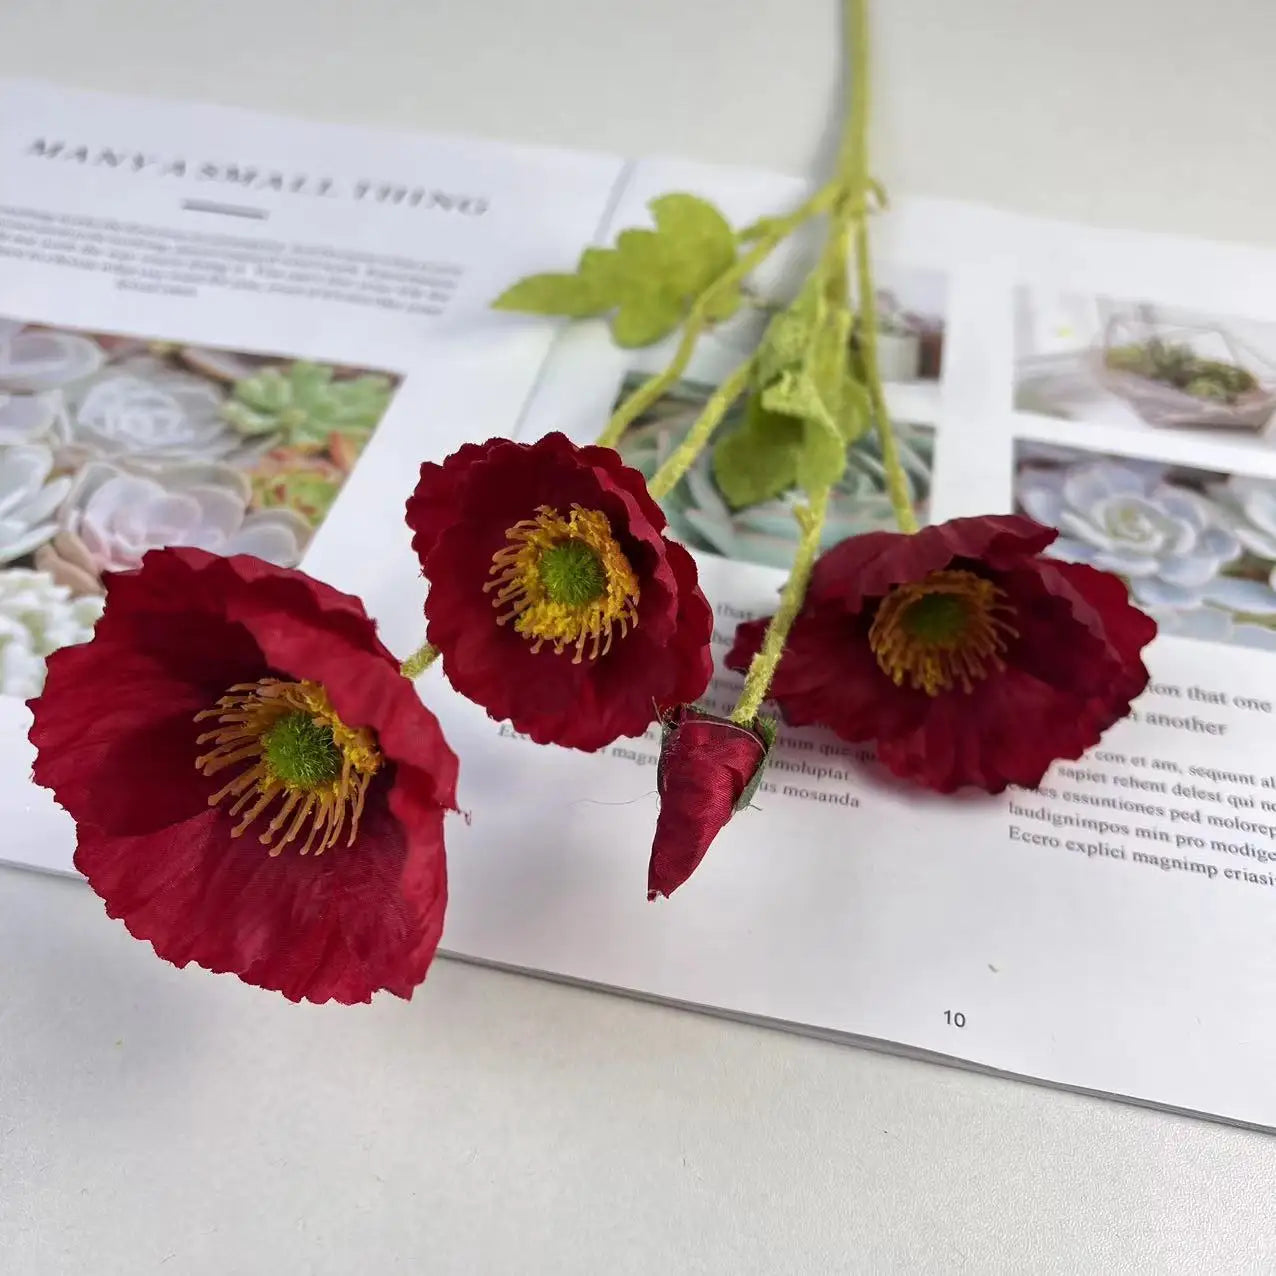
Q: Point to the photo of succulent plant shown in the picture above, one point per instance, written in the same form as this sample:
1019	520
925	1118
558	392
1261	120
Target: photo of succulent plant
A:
1127	363
764	531
112	445
1196	547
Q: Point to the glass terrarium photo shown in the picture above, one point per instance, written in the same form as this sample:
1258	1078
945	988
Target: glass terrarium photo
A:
1180	375
1105	361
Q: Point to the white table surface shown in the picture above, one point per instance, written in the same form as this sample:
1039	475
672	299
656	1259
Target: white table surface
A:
161	1121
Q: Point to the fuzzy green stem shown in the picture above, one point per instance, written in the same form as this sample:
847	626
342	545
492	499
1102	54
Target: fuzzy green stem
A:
851	171
419	661
683	457
778	229
757	682
896	479
855	154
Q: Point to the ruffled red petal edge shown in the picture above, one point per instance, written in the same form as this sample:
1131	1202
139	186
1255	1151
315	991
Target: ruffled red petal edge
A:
439	499
665	661
869	566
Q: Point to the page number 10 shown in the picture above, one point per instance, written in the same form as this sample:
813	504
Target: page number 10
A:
955	1018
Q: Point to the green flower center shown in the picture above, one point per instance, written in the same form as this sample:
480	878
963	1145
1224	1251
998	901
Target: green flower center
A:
565	581
949	629
937	618
572	574
301	751
286	747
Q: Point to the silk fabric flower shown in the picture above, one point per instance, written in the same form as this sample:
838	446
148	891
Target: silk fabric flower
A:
970	658
556	599
256	787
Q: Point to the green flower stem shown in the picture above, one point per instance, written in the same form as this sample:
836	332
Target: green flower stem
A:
757	682
854	155
419	661
851	173
684	455
778	229
896	479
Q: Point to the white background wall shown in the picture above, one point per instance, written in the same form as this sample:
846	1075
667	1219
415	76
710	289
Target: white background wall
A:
152	1120
1153	113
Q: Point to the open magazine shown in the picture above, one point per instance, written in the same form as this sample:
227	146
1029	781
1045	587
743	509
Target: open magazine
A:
191	297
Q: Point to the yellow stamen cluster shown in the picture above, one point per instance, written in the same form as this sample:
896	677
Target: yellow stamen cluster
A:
565	581
948	628
296	751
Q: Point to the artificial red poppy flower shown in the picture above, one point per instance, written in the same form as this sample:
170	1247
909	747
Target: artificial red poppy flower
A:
556	600
709	767
968	657
256	787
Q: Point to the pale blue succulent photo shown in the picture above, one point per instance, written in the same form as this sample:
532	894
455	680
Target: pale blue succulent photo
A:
766	533
113	445
1197	548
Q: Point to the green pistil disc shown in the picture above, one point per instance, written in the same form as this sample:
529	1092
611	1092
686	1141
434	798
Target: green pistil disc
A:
937	618
301	751
572	574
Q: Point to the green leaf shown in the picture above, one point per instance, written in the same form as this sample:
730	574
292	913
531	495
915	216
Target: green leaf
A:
821	460
656	274
725	304
759	460
804	368
788	335
640	257
644	317
828	356
578	295
795	394
767	729
696	241
649	279
600	268
805	371
855	413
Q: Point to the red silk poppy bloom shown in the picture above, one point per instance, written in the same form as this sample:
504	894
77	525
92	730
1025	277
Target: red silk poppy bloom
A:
556	600
708	769
256	787
967	656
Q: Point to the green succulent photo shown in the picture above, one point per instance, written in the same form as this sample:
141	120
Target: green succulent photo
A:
764	531
304	404
1178	365
114	444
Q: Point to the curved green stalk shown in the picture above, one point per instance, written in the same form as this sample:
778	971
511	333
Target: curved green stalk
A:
683	457
757	682
698	319
855	155
847	237
419	661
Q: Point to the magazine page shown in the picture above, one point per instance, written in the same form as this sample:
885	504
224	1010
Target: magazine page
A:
1111	932
244	333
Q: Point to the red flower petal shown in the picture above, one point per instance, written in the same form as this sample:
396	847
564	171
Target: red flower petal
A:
117	750
115	738
706	764
335	928
438	500
461	514
983	740
1102	604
